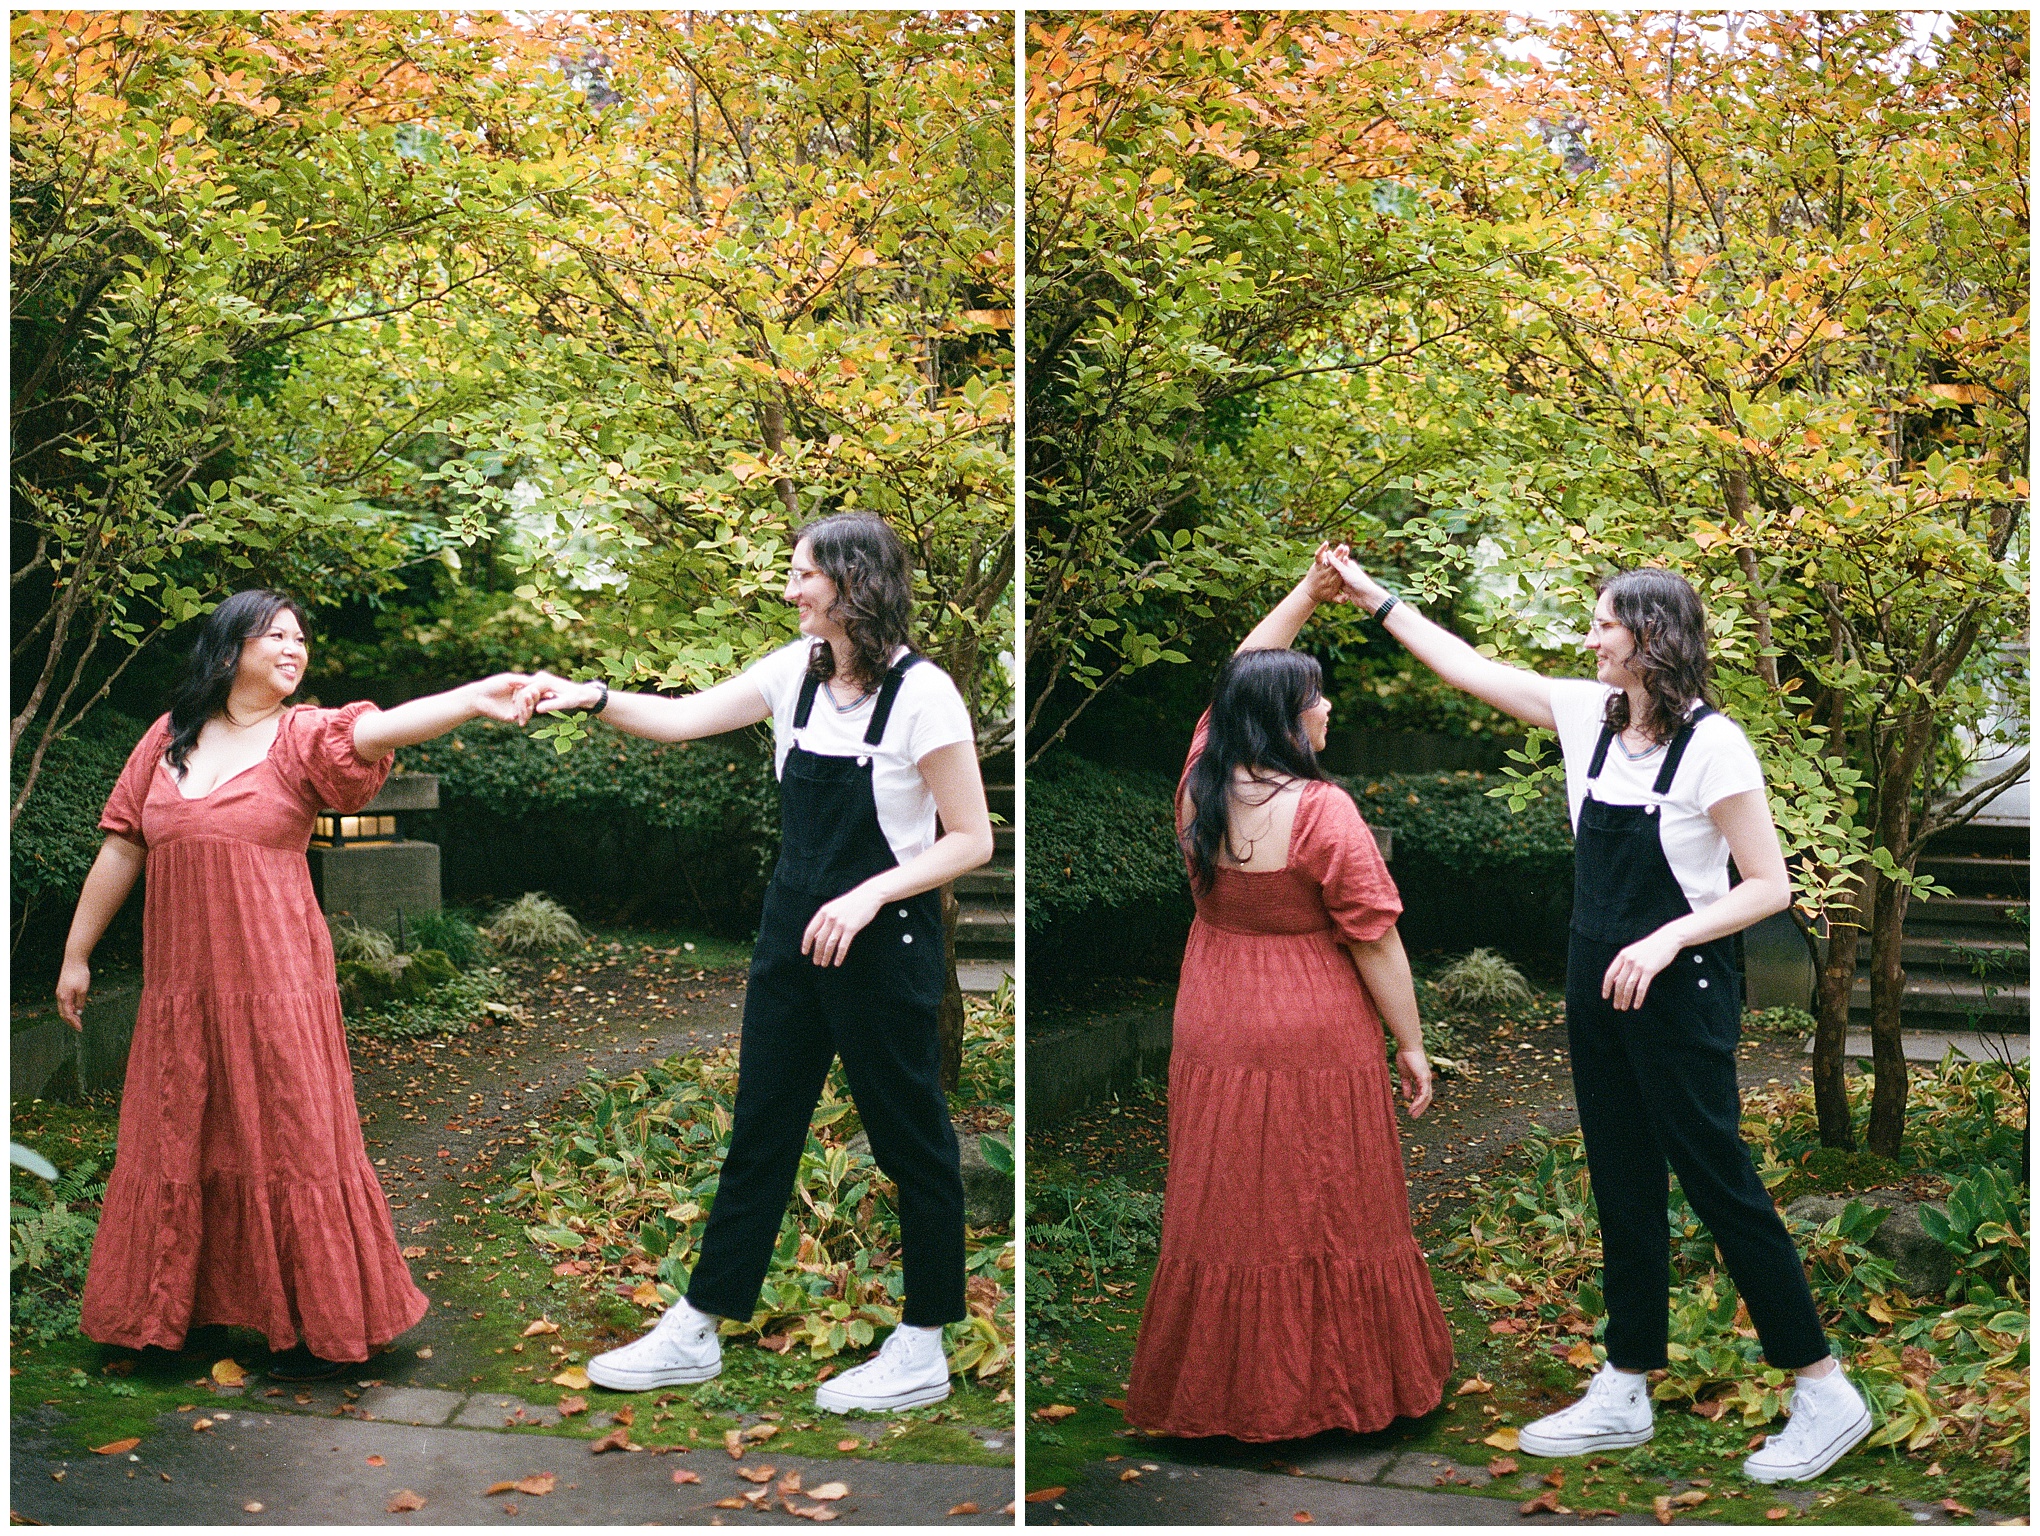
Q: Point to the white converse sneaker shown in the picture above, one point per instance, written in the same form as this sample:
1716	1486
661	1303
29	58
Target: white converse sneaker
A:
1829	1419
910	1370
1615	1413
681	1348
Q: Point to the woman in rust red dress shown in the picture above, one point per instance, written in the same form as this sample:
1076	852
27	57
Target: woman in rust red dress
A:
1290	1296
241	1192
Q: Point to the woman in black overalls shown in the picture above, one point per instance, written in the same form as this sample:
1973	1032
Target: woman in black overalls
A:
1653	1012
849	961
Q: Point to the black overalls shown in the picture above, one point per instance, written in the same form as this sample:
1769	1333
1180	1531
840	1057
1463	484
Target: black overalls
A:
877	1010
1656	1084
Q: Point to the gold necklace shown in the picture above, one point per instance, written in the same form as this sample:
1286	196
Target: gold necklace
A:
228	715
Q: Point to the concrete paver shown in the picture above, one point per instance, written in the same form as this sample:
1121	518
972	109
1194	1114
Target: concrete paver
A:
302	1470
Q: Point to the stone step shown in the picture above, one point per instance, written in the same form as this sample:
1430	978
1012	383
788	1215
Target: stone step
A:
999	797
1999	912
982	921
1973	874
1939	993
1945	950
983	977
1930	1045
1003	838
991	881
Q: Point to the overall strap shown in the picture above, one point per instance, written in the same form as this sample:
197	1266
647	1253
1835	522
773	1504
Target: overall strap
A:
1600	752
887	692
806	705
1678	750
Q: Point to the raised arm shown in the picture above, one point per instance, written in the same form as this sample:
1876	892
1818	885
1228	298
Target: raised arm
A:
728	706
107	884
1514	690
1285	621
379	732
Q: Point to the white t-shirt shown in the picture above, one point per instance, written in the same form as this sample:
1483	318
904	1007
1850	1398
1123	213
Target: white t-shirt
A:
928	713
1719	762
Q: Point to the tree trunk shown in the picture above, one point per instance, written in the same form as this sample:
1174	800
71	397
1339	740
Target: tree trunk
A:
949	1021
1836	978
1887	1045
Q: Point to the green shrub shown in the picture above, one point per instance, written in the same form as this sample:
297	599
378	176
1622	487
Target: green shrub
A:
452	1003
50	1232
1480	978
368	984
449	933
1098	837
534	921
57	836
353	942
1079	1233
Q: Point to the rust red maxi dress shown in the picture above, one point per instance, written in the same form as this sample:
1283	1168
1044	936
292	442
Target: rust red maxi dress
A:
1290	1296
241	1192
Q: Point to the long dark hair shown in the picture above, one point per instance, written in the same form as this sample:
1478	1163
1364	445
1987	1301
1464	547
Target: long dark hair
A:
209	673
1256	724
874	580
1663	613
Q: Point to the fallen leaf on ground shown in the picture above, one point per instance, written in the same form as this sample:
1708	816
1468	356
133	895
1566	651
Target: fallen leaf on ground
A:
815	1512
118	1368
849	1445
1047	1495
1130	1475
964	1509
647	1295
1501	1466
1661	1506
115	1447
1580	1355
198	1424
1504	1325
425	1353
543	1325
1503	1439
1474	1384
1555	1479
415	1253
758	1434
1115	1402
1689	1499
1956	1507
573	1378
228	1373
731	1504
733	1442
625	1415
1302	1517
1935	1469
1778	1512
684	1476
1756	1442
1052	1413
1546	1503
251	1508
570	1405
376	1461
404	1500
757	1474
789	1485
1712	1411
618	1439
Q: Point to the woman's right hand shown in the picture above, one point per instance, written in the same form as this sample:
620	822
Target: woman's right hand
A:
550	695
1414	1067
74	982
1355	585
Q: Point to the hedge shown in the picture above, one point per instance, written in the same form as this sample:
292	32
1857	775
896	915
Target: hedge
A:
57	835
1106	889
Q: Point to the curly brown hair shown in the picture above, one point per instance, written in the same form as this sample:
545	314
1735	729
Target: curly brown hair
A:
1662	612
874	579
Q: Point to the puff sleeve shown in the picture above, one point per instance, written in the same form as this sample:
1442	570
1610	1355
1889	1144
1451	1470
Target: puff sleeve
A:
123	813
314	754
1333	846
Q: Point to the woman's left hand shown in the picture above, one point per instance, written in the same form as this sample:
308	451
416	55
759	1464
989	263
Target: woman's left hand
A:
1631	972
501	698
836	923
1414	1067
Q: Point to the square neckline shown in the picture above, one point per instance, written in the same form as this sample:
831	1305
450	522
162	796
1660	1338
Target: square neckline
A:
163	762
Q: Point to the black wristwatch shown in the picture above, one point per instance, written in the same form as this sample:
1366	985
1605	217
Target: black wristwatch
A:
603	702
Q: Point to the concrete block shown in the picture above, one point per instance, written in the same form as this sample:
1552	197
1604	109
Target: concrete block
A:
1071	1069
1777	970
405	792
489	1410
49	1057
409	1405
41	1051
369	883
1422	1470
